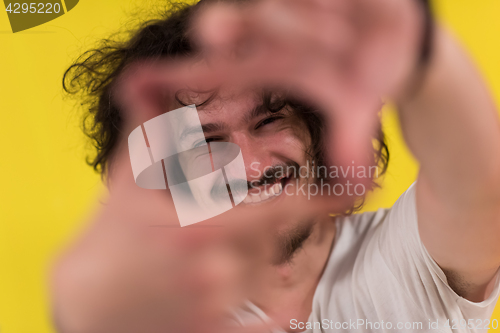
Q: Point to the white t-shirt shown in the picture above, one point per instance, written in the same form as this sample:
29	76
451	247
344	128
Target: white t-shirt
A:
380	278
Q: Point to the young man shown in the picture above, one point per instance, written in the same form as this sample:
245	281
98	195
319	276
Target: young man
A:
428	263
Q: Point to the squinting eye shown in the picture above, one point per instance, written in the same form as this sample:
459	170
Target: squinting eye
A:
207	140
268	121
212	139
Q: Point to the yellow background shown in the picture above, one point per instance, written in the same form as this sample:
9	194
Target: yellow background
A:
47	191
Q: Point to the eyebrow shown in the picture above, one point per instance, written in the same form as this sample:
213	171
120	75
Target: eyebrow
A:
205	129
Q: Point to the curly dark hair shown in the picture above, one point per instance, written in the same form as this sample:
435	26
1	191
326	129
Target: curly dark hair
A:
92	76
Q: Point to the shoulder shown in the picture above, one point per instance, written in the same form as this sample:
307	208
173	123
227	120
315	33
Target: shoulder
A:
360	224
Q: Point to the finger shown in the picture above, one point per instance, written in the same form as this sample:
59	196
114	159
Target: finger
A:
350	139
147	88
291	24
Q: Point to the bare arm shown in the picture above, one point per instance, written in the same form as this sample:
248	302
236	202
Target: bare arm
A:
451	125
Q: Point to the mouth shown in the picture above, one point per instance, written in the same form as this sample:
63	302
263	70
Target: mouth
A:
267	192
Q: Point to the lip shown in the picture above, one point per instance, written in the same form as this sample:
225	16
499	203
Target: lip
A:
271	197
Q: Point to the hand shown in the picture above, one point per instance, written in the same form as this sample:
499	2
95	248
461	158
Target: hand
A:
136	270
342	55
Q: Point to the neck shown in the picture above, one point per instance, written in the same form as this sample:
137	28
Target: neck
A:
311	256
289	288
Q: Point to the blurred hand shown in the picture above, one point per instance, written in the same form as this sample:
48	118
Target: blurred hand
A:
342	55
137	270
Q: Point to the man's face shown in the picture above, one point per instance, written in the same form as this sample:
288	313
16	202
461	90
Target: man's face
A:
272	145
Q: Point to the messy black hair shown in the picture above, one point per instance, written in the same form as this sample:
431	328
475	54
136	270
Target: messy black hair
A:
92	77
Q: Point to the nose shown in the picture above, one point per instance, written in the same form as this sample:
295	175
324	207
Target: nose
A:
256	155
